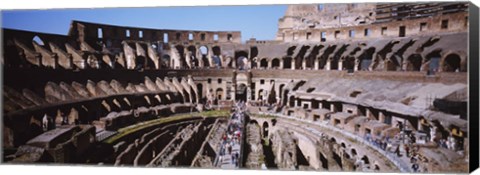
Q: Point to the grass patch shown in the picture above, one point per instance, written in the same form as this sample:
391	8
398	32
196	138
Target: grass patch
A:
140	126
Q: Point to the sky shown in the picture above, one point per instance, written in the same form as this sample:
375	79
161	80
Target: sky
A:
260	22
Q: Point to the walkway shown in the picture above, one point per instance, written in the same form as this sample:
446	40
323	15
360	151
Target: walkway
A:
231	146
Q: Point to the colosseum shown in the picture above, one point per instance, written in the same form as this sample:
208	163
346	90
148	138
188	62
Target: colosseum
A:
342	87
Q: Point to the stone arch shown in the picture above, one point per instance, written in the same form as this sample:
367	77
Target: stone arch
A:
260	95
291	101
194	60
204	52
181	52
265	129
217	50
414	62
287	63
264	63
433	60
166	61
275	63
349	62
365	159
366	59
337	159
219	94
353	152
451	63
253	52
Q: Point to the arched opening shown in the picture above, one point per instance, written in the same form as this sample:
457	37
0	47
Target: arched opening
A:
216	50
241	92
219	94
322	62
365	159
272	97
287	62
165	61
349	63
38	40
260	94
434	59
452	63
324	161
204	53
242	59
414	62
353	152
265	129
335	59
276	63
264	63
300	56
285	97
193	55
280	90
366	59
253	52
292	101
181	53
200	92
337	159
310	62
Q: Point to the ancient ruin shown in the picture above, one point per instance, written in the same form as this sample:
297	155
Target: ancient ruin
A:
343	87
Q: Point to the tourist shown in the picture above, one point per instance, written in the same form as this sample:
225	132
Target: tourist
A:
407	150
397	151
415	167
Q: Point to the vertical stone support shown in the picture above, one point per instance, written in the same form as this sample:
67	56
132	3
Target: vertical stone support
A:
381	117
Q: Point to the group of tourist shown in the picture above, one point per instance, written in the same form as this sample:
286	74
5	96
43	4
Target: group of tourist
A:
231	140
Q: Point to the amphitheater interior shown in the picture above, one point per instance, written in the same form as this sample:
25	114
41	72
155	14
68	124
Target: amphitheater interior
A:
370	92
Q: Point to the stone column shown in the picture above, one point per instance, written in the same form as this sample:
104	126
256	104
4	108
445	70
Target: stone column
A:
357	62
332	108
316	62
304	64
340	65
234	84
327	65
293	64
381	117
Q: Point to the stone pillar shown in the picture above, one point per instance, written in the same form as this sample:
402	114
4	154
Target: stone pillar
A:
281	64
316	62
381	117
340	65
355	68
234	83
304	64
269	65
332	108
327	65
293	64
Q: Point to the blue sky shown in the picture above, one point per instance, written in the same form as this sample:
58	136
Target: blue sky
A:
260	22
